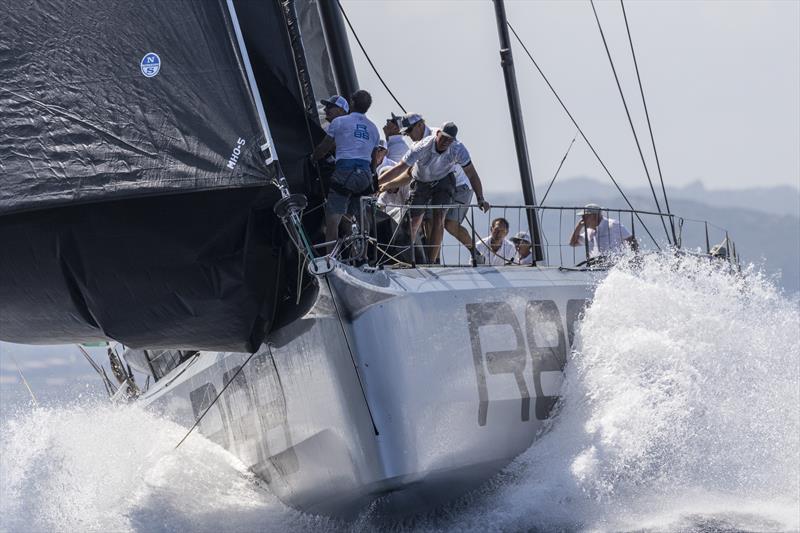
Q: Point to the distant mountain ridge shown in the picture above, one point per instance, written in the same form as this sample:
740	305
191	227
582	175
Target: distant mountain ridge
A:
764	222
776	200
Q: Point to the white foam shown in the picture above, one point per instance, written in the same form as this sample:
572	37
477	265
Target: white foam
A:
680	411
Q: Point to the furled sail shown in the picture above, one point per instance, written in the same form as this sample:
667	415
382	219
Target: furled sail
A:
135	166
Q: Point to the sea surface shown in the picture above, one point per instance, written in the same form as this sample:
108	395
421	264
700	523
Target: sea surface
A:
680	411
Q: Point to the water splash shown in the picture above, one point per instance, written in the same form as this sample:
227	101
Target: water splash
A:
679	412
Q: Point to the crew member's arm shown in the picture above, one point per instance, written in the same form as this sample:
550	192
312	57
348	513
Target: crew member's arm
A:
402	179
477	186
577	235
323	148
392	174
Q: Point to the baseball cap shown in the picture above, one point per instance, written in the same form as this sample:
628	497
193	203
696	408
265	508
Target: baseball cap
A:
337	101
590	209
408	121
522	236
449	129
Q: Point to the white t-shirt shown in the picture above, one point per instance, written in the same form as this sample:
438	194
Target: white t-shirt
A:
394	200
527	260
355	136
396	147
504	254
429	165
607	238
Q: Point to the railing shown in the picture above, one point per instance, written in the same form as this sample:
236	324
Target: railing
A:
380	240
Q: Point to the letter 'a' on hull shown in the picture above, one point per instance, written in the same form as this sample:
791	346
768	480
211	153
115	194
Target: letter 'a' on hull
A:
135	170
342	408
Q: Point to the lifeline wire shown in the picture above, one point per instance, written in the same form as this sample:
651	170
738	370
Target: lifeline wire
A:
371	64
649	126
583	135
630	120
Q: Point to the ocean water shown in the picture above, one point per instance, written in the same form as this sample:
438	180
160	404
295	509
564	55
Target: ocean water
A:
680	411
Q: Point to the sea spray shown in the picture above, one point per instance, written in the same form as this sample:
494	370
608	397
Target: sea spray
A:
95	467
679	411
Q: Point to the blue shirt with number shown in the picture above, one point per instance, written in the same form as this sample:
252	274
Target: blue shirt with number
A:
355	136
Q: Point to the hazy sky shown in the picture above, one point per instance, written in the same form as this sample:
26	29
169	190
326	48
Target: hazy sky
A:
722	81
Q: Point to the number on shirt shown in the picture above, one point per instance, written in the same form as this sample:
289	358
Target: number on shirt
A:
361	132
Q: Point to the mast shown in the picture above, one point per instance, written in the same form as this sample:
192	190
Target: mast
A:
344	72
518	127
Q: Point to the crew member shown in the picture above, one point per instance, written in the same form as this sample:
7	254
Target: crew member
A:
605	235
414	127
522	242
431	161
495	248
356	140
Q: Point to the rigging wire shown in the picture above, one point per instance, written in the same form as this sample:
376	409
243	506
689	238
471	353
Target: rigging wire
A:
369	60
583	135
649	126
219	394
552	181
630	120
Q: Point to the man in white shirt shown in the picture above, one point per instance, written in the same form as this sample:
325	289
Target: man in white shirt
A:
605	235
495	248
356	139
395	144
522	242
431	162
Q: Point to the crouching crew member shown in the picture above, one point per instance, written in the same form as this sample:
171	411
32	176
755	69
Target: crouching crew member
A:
431	162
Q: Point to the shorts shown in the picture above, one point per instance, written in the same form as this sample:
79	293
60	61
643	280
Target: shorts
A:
463	196
439	192
348	184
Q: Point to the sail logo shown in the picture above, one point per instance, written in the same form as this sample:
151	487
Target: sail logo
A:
150	64
237	151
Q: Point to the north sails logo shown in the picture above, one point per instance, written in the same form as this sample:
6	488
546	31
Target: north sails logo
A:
150	64
237	151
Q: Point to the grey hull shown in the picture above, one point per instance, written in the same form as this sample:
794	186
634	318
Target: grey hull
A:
411	386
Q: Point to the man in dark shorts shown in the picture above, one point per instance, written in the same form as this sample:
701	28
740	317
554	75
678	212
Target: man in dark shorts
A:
431	162
356	140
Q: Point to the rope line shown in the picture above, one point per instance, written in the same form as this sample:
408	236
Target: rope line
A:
583	135
649	126
552	181
369	60
628	114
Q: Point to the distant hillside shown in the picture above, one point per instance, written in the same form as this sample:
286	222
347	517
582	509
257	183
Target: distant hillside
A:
765	223
780	200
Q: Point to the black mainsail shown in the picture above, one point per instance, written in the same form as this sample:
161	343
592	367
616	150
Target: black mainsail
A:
135	171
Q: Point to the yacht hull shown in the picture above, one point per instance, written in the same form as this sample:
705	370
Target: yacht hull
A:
405	386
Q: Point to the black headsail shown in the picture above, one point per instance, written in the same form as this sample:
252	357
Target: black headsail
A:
135	202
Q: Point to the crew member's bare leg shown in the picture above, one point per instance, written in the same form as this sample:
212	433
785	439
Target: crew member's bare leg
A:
436	236
459	232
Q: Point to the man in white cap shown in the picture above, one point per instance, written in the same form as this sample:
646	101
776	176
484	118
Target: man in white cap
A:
605	235
335	107
432	161
522	242
356	140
